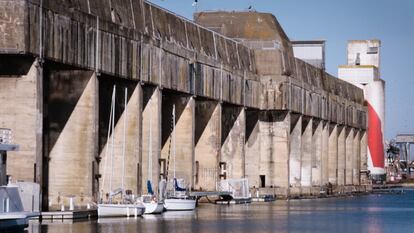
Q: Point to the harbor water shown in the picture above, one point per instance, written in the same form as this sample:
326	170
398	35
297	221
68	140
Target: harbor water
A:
376	213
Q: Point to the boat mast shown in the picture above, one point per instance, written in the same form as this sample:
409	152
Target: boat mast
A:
107	139
173	143
112	143
173	132
124	141
150	143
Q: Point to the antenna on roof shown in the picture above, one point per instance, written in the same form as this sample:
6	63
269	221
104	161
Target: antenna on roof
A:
195	5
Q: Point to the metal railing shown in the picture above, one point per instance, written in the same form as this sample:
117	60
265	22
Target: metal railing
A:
6	136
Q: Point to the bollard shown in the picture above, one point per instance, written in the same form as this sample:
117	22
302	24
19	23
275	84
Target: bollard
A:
62	208
71	204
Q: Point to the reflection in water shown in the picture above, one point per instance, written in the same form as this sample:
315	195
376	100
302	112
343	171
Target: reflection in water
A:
372	214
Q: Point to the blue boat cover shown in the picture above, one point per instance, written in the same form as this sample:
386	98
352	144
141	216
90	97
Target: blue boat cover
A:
178	188
149	188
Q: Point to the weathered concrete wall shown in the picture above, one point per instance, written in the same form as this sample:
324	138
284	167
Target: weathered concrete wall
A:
341	154
233	137
306	158
333	153
131	116
325	153
70	135
295	152
356	158
207	143
364	157
252	148
151	128
184	136
21	113
281	143
349	156
317	143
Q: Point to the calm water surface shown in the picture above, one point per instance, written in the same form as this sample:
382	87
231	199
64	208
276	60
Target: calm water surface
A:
371	214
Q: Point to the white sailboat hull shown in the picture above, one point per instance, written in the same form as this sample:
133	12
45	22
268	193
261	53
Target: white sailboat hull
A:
153	208
120	210
179	204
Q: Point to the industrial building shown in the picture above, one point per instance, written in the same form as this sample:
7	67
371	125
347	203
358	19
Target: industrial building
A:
246	107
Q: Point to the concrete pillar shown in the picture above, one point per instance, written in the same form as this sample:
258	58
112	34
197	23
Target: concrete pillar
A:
233	137
252	148
341	154
207	143
349	150
266	170
325	153
333	153
151	113
295	152
131	115
317	142
306	163
21	101
70	136
356	161
364	157
281	135
184	136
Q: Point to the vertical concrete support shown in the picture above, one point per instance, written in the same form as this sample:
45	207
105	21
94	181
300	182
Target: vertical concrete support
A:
341	154
252	148
364	157
184	136
295	151
281	133
233	137
265	155
333	153
21	99
207	143
349	150
325	153
317	143
128	169
150	169
306	163
70	136
356	158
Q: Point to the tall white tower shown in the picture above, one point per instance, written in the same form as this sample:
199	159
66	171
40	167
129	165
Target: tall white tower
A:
363	70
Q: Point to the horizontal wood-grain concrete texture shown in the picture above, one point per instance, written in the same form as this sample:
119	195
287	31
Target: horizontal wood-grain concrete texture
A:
207	143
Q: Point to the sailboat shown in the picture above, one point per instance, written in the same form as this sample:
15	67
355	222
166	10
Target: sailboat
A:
179	200
151	203
128	206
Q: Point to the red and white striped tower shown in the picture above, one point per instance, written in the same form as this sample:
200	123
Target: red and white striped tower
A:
363	71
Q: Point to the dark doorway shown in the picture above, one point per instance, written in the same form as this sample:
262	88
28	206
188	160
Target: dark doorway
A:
262	181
